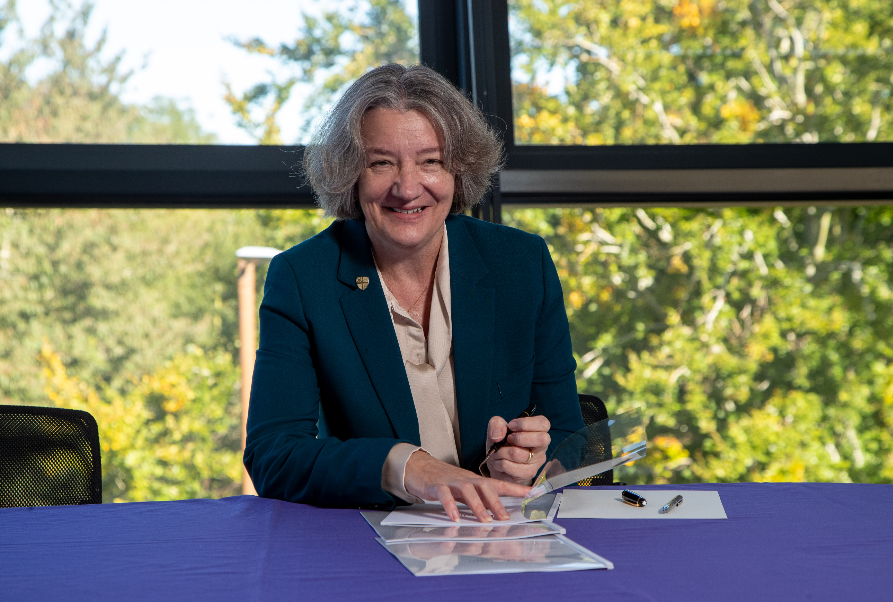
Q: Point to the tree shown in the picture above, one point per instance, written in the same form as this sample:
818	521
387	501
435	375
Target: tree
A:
129	314
756	340
328	53
78	99
173	435
137	308
696	71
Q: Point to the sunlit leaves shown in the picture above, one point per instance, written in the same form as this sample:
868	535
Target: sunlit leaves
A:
174	434
328	52
763	358
699	71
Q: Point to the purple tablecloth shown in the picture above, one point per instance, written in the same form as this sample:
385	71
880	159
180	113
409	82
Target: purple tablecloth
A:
782	541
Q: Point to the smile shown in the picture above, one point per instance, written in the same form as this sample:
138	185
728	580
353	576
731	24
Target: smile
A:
405	212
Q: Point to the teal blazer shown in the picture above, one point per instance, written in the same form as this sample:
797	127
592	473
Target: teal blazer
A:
330	396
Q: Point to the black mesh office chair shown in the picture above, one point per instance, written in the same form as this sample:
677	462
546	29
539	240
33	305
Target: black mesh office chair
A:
593	409
48	457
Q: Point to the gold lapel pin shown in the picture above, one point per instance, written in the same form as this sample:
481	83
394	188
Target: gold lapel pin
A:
362	282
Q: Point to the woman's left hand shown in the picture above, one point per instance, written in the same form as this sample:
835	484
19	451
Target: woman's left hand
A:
520	458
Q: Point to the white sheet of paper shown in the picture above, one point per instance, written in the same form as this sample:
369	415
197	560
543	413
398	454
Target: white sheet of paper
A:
433	515
489	532
603	503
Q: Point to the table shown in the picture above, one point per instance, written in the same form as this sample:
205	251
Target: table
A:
782	541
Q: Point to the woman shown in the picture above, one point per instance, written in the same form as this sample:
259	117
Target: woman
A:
396	345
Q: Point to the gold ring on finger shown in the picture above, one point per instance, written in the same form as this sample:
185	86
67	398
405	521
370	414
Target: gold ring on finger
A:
530	457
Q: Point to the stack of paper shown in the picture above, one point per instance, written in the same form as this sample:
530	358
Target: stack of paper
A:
426	542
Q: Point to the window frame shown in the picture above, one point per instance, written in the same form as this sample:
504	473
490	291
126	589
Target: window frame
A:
465	40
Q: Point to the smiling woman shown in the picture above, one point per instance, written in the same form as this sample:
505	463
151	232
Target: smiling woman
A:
384	371
404	191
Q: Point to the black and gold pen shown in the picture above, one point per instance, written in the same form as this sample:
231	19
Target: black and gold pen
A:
498	445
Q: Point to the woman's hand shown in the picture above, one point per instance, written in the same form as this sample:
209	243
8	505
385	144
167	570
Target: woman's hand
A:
520	458
431	479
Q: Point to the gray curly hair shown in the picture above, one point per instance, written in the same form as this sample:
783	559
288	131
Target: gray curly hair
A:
334	158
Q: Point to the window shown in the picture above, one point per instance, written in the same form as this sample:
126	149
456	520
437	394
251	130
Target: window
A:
102	72
700	72
756	339
131	315
735	283
118	300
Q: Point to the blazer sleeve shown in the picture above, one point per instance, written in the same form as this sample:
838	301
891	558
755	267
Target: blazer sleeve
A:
554	386
284	455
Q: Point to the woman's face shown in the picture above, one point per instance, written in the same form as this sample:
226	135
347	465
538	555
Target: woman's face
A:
405	191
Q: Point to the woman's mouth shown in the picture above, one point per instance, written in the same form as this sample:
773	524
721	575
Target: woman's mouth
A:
407	211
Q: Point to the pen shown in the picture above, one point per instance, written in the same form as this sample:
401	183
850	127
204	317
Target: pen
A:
498	445
671	504
631	497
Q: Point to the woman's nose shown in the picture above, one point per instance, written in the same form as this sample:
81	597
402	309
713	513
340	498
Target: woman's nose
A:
408	184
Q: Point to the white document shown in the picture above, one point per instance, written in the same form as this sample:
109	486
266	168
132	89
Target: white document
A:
433	515
540	554
602	503
495	531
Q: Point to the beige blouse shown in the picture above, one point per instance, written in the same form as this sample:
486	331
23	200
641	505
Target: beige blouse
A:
429	369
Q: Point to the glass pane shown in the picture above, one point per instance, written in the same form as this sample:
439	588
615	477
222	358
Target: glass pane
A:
187	71
132	315
606	72
755	341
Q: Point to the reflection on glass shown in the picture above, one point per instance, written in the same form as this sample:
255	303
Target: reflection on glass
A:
106	71
595	449
483	532
550	553
700	71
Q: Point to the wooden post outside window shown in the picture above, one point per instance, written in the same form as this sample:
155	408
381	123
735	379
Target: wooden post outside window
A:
247	285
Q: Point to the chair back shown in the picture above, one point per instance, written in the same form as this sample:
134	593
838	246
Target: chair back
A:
593	409
48	457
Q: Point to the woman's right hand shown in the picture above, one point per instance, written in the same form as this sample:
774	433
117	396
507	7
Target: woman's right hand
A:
432	479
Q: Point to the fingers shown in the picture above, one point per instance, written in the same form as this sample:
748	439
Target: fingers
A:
519	455
517	464
492	500
445	496
536	441
516	473
530	424
519	461
430	479
504	488
531	432
496	430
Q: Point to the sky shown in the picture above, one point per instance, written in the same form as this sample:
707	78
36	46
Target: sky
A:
179	49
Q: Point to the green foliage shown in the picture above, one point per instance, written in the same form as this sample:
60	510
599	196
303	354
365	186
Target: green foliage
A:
173	435
99	306
756	340
328	53
696	71
115	290
77	100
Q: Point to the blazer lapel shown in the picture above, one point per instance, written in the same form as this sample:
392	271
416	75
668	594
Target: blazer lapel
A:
473	317
369	322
